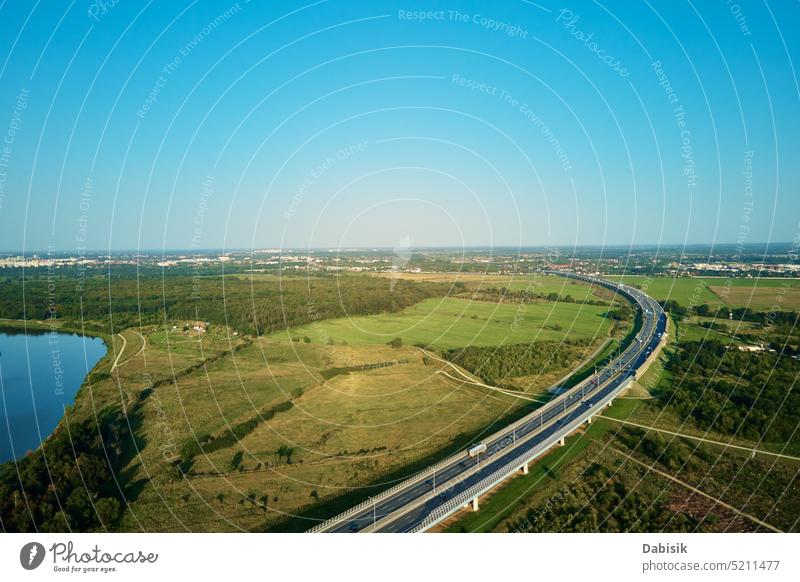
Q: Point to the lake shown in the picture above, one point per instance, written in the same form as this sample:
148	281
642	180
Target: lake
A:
40	373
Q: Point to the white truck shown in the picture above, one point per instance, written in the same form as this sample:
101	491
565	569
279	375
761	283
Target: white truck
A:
476	450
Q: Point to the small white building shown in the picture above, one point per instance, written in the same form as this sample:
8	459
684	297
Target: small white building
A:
751	348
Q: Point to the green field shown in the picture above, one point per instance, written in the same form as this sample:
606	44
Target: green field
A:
234	432
684	290
354	411
777	294
539	284
357	416
756	294
239	432
452	323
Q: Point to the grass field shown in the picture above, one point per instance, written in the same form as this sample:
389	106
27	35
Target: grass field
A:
334	419
344	430
756	294
238	433
767	294
684	290
542	284
317	420
450	323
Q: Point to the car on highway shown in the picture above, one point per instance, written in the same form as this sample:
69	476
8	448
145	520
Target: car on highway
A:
529	434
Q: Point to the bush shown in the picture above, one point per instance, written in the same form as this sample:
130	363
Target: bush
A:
495	364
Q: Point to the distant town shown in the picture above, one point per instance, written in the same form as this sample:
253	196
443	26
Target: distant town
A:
775	260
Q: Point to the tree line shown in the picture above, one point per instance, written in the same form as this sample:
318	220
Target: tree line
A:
734	392
526	296
495	365
254	306
70	483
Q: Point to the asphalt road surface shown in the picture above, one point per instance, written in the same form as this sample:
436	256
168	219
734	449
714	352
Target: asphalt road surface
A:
407	505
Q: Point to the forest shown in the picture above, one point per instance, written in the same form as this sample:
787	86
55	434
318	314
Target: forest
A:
602	500
250	305
48	490
527	295
734	392
495	365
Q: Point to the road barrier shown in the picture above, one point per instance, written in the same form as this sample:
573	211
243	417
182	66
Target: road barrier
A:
484	485
452	505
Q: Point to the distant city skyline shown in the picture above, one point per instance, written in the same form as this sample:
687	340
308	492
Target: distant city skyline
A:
771	249
360	125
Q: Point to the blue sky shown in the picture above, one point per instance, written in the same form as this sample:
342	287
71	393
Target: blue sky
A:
335	124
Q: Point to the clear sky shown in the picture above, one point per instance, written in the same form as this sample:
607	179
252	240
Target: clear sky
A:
170	125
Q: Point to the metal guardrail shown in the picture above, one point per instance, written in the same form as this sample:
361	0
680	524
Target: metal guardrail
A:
465	497
462	476
499	435
458	457
417	477
452	505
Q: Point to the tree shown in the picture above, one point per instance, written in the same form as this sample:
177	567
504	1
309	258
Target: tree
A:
108	510
396	343
284	451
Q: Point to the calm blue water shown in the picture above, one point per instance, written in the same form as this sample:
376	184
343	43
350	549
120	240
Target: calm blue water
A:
40	373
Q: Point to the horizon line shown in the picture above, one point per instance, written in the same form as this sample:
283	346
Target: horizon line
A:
268	248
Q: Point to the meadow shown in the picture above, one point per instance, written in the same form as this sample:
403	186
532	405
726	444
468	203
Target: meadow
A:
275	427
753	293
765	293
537	283
452	322
358	417
235	432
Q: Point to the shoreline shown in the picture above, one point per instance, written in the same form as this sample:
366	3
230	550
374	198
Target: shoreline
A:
38	327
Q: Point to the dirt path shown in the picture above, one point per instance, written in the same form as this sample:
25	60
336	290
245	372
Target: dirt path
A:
137	354
122	351
482	385
468	378
701	439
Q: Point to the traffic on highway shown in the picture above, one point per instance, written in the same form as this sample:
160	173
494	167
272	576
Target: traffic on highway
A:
430	496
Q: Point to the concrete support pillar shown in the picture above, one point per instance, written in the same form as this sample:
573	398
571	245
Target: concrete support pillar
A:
561	442
589	420
524	469
610	402
475	503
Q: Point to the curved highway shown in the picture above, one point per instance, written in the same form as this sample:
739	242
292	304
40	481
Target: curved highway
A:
435	493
